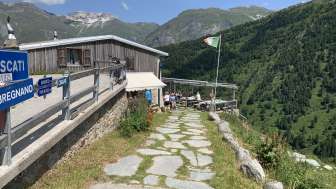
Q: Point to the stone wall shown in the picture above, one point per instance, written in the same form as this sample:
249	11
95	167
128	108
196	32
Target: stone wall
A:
247	163
101	122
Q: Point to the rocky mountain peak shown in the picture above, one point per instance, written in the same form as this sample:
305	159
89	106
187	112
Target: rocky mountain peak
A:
89	18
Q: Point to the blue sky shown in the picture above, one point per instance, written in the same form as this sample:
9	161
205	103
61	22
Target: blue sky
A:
158	11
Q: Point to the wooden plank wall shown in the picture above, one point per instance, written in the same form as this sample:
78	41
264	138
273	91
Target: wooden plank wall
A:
45	60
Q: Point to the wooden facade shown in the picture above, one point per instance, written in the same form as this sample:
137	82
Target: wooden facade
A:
54	59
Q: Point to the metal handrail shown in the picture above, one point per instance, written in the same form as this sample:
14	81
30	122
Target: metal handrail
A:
63	105
199	83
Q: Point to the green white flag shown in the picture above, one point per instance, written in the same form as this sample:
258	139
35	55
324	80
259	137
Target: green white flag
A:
212	41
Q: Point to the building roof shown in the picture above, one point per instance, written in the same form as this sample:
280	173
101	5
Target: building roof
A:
139	81
199	83
61	42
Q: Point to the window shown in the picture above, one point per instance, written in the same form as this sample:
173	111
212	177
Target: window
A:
72	56
130	63
87	57
61	57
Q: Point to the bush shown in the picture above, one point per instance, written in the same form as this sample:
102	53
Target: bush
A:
297	175
137	120
270	152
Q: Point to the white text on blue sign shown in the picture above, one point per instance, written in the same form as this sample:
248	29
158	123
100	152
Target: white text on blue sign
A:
12	66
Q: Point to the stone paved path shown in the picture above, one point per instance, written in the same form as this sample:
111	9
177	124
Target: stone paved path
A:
179	153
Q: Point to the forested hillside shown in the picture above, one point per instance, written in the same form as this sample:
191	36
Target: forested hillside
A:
285	65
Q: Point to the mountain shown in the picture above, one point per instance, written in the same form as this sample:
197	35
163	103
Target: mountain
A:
285	66
34	24
133	31
89	18
31	23
88	24
192	24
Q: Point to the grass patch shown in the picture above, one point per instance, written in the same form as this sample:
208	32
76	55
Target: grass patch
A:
228	175
86	166
291	173
248	137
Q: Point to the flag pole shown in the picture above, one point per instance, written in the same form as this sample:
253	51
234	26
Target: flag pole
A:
219	51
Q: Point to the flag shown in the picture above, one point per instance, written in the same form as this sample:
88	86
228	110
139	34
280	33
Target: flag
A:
212	41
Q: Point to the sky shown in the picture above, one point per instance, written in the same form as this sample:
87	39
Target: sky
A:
157	11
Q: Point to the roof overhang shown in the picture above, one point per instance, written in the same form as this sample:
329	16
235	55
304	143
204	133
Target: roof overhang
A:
139	81
199	83
71	41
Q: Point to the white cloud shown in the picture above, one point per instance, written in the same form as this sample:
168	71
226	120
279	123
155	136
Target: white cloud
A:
48	2
124	5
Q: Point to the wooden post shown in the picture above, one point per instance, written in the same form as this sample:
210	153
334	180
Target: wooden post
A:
111	78
234	99
174	87
66	95
7	152
96	83
2	121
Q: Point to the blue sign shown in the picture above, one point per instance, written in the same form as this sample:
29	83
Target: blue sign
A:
44	86
45	81
43	91
14	62
62	81
15	93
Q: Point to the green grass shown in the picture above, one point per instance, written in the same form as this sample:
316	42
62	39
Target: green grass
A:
291	173
86	166
228	175
247	136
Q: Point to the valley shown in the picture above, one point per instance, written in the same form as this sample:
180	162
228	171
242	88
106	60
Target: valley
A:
284	65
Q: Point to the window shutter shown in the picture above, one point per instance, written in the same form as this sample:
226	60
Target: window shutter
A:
61	57
130	63
87	57
80	56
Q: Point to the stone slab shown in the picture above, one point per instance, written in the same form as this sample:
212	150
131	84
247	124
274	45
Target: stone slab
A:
126	166
157	136
190	133
204	160
167	130
195	125
197	131
198	138
120	186
205	151
175	145
176	136
198	143
152	180
170	126
182	184
190	155
165	165
152	152
201	176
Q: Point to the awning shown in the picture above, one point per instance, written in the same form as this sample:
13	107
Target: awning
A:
139	81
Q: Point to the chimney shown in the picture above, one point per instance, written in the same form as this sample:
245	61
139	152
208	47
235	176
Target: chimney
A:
55	35
11	42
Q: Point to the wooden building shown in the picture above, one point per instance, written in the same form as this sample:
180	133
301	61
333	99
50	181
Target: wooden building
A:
76	54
